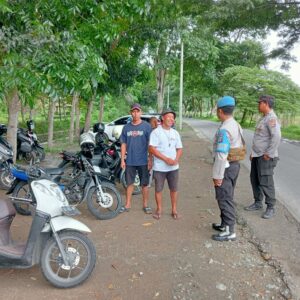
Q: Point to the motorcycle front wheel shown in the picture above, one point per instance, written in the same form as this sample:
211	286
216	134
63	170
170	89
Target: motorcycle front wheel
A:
40	153
22	191
107	207
81	255
137	189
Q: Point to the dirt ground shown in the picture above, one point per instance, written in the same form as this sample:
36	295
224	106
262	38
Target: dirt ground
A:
142	258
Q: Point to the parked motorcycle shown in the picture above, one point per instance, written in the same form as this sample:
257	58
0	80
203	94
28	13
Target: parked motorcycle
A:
87	183
56	241
6	160
107	157
28	146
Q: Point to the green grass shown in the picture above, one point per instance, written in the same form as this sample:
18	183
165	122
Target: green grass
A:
291	132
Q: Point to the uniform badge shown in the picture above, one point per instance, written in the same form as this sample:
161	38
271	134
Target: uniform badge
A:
272	122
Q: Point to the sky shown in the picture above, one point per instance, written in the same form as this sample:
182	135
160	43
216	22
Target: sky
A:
294	71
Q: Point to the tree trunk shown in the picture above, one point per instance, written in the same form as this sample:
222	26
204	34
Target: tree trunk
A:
88	115
160	88
51	113
72	117
77	121
101	109
244	116
14	105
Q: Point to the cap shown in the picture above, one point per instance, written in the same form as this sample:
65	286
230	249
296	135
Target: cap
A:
267	98
168	111
135	106
226	101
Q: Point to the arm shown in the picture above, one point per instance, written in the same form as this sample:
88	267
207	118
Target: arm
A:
123	153
275	137
156	153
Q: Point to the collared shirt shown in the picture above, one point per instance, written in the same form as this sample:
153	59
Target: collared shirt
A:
267	136
228	135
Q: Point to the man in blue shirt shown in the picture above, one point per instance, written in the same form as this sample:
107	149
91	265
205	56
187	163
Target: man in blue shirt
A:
134	146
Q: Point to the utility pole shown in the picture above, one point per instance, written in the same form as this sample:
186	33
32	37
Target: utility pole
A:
181	87
168	99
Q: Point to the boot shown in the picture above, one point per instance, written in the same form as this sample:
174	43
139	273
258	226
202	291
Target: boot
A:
254	206
218	227
269	213
226	235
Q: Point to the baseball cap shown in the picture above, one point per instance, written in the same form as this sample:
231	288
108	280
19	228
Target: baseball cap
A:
168	111
135	106
226	101
267	98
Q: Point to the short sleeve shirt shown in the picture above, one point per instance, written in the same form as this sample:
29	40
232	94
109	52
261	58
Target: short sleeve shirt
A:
136	138
166	142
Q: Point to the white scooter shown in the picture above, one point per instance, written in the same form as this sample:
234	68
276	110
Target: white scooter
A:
56	241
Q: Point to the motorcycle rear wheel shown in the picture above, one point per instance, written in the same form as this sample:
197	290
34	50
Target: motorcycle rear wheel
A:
40	153
113	202
22	191
6	179
137	184
81	254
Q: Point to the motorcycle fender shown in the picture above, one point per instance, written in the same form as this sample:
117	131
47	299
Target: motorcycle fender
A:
64	222
88	186
11	189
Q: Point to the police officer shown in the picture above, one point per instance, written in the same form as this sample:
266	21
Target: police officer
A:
226	167
264	157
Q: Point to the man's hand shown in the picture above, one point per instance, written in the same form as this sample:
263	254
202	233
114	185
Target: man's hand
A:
150	163
266	157
217	182
250	157
123	164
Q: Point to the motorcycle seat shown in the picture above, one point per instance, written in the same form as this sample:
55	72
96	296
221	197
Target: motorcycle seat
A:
54	171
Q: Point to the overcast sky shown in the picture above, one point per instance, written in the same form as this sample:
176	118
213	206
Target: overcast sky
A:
294	71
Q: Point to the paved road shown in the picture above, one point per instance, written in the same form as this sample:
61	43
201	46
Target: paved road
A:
287	172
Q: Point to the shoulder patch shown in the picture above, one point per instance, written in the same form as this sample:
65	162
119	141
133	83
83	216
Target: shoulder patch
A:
272	122
223	143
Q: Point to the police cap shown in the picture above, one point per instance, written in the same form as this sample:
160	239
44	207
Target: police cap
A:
226	101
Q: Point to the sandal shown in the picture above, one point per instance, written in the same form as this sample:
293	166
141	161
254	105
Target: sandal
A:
156	216
123	209
175	216
147	210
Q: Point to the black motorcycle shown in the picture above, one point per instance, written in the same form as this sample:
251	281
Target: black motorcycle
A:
28	146
86	184
6	160
106	158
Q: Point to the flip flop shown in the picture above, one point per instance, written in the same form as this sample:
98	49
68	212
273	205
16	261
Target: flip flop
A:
147	210
156	216
175	216
123	209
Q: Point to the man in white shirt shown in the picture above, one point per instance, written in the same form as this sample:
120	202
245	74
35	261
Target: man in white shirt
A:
166	147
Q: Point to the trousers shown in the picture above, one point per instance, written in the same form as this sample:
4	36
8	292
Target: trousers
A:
225	194
262	182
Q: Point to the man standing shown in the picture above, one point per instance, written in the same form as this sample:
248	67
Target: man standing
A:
134	145
228	149
166	147
264	157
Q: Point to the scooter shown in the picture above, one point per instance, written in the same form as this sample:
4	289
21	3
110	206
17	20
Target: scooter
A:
6	160
56	241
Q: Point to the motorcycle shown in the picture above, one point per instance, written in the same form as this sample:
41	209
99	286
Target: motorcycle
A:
28	146
106	157
6	160
56	241
103	199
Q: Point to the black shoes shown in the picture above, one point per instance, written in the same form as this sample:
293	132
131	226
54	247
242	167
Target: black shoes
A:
253	206
224	236
218	227
269	213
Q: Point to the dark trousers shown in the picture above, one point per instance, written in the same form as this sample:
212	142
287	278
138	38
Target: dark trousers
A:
261	177
225	193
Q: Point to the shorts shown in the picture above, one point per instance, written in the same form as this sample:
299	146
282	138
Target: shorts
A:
143	172
172	178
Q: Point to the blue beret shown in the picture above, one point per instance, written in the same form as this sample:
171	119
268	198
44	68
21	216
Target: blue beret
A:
226	101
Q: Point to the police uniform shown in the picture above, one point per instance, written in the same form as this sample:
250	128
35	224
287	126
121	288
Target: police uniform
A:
266	140
227	137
